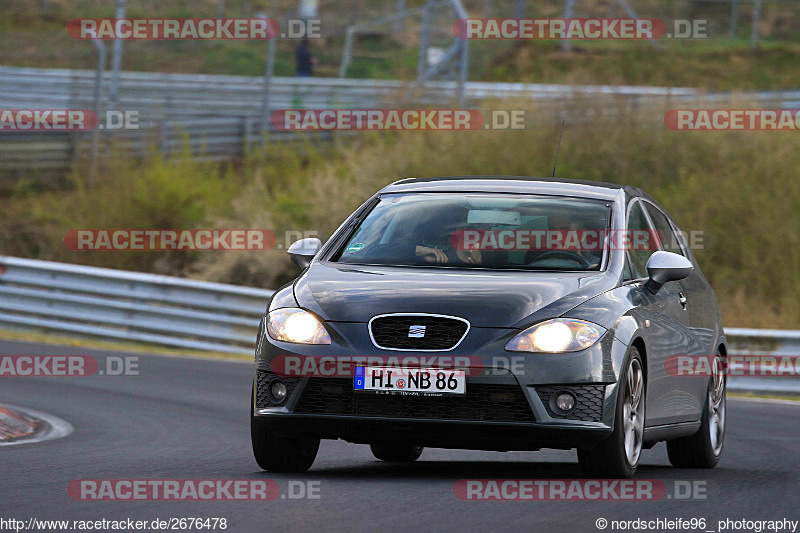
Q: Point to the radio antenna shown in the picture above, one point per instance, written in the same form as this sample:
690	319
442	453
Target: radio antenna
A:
558	148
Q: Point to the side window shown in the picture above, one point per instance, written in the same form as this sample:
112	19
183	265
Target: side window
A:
669	240
638	257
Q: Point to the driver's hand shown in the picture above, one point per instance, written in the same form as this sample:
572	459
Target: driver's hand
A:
431	255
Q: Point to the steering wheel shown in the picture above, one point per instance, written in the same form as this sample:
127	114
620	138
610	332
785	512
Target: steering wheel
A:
563	254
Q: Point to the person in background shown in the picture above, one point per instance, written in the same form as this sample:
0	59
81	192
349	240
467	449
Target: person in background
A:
305	61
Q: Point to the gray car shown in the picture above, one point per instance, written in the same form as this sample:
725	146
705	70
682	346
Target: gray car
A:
494	313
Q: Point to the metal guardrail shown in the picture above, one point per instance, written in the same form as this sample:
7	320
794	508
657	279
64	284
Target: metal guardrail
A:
747	341
132	306
169	311
218	117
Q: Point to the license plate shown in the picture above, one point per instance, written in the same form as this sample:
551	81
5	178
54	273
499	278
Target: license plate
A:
409	381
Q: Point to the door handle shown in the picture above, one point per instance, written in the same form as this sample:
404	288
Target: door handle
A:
682	299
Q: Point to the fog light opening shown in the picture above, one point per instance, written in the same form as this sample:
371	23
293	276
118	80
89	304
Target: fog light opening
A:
277	390
565	402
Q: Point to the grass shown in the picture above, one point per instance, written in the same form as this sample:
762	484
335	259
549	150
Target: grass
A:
29	37
127	347
748	395
715	64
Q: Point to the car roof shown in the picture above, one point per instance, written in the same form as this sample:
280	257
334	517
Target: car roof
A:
512	184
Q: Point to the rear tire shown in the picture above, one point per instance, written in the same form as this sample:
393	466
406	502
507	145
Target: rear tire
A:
396	453
618	455
280	451
704	448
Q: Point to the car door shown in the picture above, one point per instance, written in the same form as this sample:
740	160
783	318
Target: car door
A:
698	301
698	298
667	331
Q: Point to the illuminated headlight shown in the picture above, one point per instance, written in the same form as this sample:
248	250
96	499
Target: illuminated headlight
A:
556	336
296	325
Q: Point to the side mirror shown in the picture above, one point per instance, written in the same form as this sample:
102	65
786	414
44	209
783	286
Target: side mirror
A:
666	266
303	251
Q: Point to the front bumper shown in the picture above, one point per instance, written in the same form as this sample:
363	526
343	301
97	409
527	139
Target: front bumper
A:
507	406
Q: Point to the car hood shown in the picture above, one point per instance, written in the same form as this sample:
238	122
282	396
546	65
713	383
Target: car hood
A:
354	293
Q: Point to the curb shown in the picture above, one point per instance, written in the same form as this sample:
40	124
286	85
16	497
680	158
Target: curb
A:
15	426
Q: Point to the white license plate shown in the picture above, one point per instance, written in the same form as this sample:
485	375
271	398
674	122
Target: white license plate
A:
409	381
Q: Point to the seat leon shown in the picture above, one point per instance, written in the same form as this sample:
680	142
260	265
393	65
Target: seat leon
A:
494	313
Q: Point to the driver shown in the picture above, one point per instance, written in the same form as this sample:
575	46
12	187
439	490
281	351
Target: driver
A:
441	250
563	221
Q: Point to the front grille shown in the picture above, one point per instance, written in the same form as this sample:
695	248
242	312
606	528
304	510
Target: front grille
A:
496	403
263	381
589	404
440	333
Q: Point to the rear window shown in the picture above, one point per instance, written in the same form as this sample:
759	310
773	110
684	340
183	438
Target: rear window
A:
486	231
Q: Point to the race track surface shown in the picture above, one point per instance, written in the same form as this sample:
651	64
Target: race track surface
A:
187	418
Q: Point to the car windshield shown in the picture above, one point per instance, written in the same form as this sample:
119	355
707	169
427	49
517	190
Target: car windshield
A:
489	231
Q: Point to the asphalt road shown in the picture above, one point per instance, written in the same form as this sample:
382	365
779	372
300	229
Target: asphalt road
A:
186	418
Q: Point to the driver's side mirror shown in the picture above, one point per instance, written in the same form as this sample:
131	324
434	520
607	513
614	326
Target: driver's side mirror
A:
303	251
666	266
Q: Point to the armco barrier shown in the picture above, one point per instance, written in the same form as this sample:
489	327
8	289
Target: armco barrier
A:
115	304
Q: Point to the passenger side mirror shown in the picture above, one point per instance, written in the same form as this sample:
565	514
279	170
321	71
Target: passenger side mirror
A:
666	266
303	251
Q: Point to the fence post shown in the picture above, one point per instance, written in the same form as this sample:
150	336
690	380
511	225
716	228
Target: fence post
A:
267	85
463	71
422	63
734	17
116	61
566	45
401	11
348	51
519	9
754	28
98	83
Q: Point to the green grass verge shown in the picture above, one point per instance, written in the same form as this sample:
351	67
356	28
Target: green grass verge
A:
114	346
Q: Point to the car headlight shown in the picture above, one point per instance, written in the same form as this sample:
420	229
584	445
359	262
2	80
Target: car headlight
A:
556	336
296	325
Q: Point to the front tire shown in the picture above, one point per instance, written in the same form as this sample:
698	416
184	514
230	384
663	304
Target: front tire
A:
396	453
281	451
704	448
618	455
